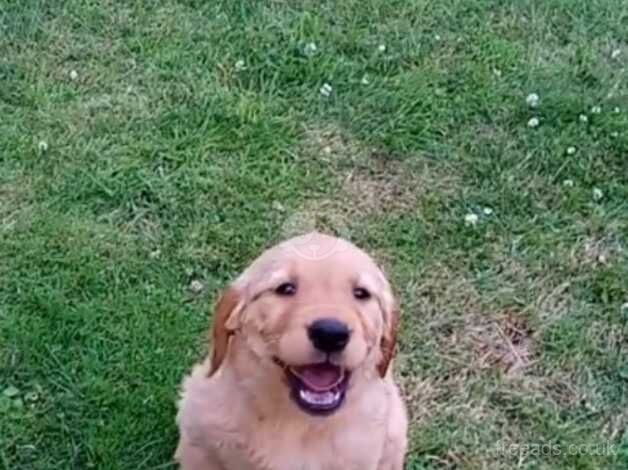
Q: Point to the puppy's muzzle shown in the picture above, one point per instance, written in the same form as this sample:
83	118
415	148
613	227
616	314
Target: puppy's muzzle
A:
329	335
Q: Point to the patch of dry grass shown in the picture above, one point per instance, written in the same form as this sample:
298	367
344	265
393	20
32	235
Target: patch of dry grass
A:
471	362
372	182
595	252
505	342
15	203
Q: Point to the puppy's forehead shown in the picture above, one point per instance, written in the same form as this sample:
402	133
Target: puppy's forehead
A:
312	250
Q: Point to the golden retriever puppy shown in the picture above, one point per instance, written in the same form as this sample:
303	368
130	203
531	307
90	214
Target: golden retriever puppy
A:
300	374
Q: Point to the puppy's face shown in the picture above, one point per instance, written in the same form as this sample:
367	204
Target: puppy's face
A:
315	319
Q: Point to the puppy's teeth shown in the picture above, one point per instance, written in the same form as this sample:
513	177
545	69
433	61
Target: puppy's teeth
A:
322	398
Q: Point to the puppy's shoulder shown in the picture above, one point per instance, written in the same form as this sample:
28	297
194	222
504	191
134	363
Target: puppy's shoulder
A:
205	409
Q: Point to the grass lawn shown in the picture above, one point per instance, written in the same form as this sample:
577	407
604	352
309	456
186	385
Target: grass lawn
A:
150	147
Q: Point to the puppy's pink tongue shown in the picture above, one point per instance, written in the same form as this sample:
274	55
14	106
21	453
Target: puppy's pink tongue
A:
319	377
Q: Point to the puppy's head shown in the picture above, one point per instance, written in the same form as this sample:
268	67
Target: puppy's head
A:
317	312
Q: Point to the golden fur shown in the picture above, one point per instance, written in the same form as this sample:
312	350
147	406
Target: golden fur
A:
236	413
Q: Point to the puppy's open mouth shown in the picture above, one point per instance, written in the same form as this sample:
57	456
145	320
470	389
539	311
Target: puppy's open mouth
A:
318	388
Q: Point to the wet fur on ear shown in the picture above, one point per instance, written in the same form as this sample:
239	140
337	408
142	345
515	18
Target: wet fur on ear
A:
389	340
226	316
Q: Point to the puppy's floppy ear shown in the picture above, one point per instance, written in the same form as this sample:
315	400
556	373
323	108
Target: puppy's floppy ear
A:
389	338
226	316
390	312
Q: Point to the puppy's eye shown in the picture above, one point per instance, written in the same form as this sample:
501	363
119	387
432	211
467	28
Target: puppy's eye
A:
286	289
361	293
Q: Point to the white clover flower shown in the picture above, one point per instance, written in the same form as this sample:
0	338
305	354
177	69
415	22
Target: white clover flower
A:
278	206
596	109
615	53
196	286
571	150
381	48
616	109
614	134
597	194
365	80
583	118
568	183
42	146
326	90
437	37
73	74
487	211
534	122
471	219
239	65
310	49
532	100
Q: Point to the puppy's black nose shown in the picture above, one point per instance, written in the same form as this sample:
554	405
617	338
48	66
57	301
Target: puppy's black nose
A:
328	335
